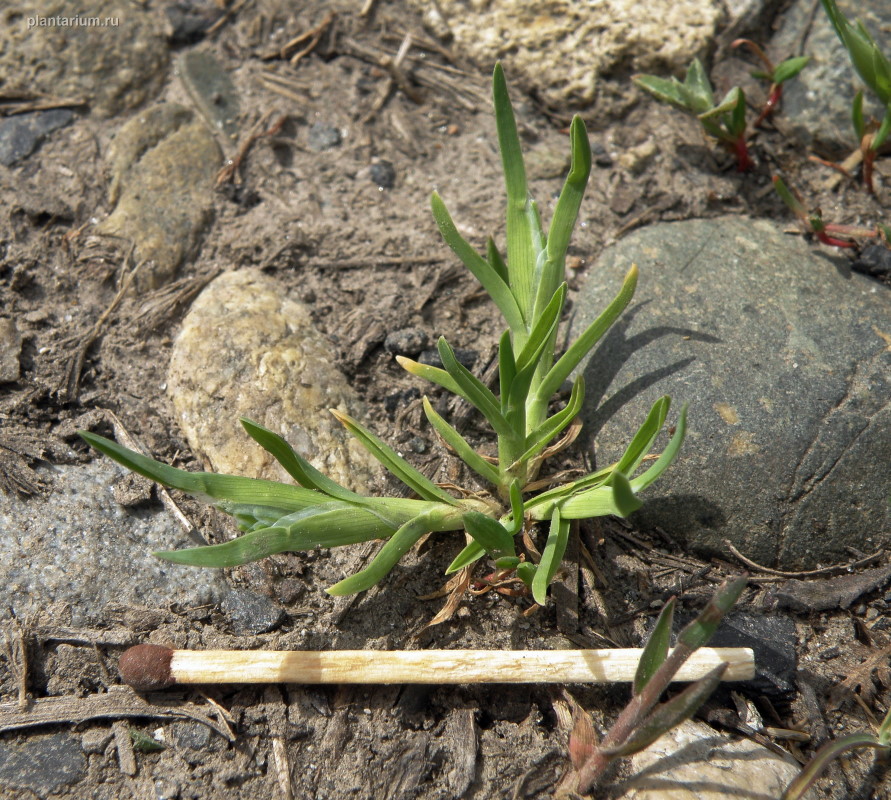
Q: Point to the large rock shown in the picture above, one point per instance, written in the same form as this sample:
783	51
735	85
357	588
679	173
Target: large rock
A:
112	54
784	356
163	165
247	350
561	50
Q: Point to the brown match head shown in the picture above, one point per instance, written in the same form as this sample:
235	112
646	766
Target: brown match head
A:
146	667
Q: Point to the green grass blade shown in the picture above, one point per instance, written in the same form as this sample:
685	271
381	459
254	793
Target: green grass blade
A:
243	550
474	551
206	485
496	260
460	445
516	508
656	649
521	252
507	368
697	633
484	272
489	534
824	757
543	330
567	211
670	714
396	546
668	455
615	497
472	389
295	465
418	483
551	557
857	119
430	373
645	436
536	441
583	345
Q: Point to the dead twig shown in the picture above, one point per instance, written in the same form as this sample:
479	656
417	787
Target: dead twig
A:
397	78
806	573
230	171
313	36
17	658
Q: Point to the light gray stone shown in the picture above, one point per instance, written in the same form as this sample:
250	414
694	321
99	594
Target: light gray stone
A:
247	350
695	762
42	765
212	89
784	357
10	351
116	63
817	104
77	547
163	163
561	49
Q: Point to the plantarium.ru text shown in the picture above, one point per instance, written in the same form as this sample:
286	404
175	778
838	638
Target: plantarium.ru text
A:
528	288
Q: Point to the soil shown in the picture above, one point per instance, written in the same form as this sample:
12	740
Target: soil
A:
369	261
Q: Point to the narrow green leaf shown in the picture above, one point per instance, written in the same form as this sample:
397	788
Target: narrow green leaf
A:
786	195
484	272
460	445
536	441
430	373
697	633
882	133
551	557
542	331
667	90
643	440
206	485
668	455
295	465
489	533
477	393
526	572
670	714
788	69
584	344
507	562
516	508
730	102
396	546
857	116
616	497
507	368
567	210
418	483
496	260
473	551
520	247
737	124
656	649
824	757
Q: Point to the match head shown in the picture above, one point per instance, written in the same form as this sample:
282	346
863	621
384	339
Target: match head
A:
146	667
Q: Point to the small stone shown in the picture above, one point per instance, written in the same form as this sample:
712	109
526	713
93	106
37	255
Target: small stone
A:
95	740
383	174
406	341
132	490
637	159
21	134
164	162
246	349
212	90
464	357
695	762
323	136
10	351
190	735
250	612
42	765
190	20
166	789
875	260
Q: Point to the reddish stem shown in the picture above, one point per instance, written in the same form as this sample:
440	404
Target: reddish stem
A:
831	240
770	105
743	161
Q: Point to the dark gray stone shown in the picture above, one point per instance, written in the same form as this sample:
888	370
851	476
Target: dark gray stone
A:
191	735
323	136
249	612
817	104
784	356
383	174
42	766
20	135
406	341
211	89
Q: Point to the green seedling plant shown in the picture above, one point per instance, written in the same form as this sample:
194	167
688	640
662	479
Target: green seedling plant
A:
775	74
880	741
528	288
644	719
724	121
826	232
874	69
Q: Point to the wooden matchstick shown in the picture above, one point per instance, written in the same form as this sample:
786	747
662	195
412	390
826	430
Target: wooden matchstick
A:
147	666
